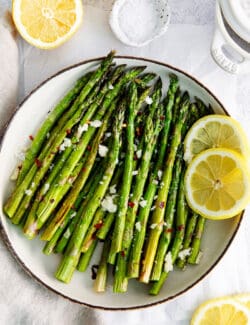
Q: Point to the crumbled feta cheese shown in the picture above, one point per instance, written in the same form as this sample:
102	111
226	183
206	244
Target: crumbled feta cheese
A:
108	134
148	100
67	234
135	146
28	192
139	153
66	144
159	174
33	184
102	150
46	188
143	203
138	226
111	87
105	177
108	204
153	225
81	129
184	253
162	184
135	172
96	123
153	207
101	182
73	214
155	182
47	135
51	166
155	197
168	265
112	189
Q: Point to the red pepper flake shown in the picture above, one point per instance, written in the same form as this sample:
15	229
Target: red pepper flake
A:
89	148
52	200
93	237
122	253
68	132
131	204
38	163
162	117
31	137
162	204
84	169
72	207
139	113
138	131
98	225
135	157
180	227
169	230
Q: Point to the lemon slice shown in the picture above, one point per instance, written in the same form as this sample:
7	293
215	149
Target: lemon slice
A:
244	298
221	311
215	131
47	23
217	184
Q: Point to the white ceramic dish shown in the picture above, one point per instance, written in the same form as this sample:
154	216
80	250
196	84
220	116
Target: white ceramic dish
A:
217	238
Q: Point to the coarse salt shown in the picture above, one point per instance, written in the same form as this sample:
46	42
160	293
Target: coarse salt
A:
159	174
138	226
139	153
28	192
135	172
46	188
143	203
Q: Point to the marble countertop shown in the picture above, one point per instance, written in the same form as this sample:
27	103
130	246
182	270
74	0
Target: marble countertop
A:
186	45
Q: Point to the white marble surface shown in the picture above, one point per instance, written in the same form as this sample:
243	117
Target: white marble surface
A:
186	45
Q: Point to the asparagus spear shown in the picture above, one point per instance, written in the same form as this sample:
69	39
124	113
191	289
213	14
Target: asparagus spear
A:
56	113
178	238
196	241
86	257
158	214
80	182
70	259
116	243
62	243
138	241
48	124
166	235
102	272
151	134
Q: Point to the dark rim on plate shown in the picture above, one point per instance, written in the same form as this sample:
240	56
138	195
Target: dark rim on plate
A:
8	242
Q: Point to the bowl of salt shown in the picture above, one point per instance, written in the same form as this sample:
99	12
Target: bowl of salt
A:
138	22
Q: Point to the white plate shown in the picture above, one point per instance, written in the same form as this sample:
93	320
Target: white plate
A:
217	238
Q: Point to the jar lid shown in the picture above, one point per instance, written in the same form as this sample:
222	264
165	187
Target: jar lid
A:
237	14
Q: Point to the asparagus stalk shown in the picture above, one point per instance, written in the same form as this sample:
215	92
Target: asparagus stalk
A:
151	134
158	214
79	184
38	140
48	124
167	233
70	259
102	272
116	243
196	241
90	191
178	238
86	257
138	241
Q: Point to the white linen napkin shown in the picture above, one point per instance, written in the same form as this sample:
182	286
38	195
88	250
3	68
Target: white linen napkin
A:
22	301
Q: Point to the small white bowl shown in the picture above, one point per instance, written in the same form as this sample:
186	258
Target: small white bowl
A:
138	22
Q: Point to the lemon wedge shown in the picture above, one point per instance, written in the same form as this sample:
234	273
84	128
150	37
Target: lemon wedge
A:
215	131
47	24
221	311
217	184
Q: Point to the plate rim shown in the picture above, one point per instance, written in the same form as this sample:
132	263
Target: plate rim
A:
4	234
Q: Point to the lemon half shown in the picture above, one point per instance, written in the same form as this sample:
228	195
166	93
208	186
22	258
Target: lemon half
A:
215	131
217	184
47	24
